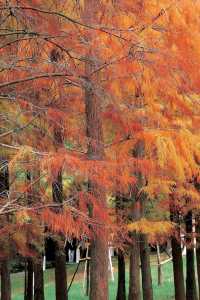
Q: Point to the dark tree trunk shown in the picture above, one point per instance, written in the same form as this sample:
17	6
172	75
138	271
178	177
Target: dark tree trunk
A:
177	261
198	250
147	288
87	278
28	293
145	268
34	268
39	280
134	273
121	289
5	281
5	271
177	258
60	275
60	257
191	291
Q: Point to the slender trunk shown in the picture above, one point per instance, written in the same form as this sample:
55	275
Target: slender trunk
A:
60	256
35	268
29	288
198	250
177	258
5	270
94	132
121	289
5	281
177	261
28	293
191	292
60	275
134	273
39	280
87	278
147	288
25	279
145	268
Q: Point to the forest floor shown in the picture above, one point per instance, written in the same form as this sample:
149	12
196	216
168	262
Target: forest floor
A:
162	292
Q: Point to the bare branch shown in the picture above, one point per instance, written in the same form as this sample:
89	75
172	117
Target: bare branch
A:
46	75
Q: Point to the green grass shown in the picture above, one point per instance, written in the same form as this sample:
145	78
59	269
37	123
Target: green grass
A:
163	292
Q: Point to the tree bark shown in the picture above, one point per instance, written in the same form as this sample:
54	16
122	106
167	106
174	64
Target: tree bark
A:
5	281
145	268
94	132
177	258
28	293
134	273
5	270
60	257
177	261
198	250
191	291
60	275
121	289
39	280
147	288
87	278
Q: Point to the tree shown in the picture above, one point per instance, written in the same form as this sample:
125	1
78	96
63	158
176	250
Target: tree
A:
5	281
191	292
121	288
99	243
134	272
5	266
198	250
177	258
39	280
84	63
60	257
28	285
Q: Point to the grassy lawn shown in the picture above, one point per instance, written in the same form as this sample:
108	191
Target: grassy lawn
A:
163	292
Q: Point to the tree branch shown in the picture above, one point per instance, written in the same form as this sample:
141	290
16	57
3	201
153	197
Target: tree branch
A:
46	75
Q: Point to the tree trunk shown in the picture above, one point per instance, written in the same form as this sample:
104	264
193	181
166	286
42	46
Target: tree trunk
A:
147	288
28	293
60	257
5	281
60	275
177	258
145	268
177	261
191	292
198	250
87	278
134	274
121	289
5	271
39	280
94	132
